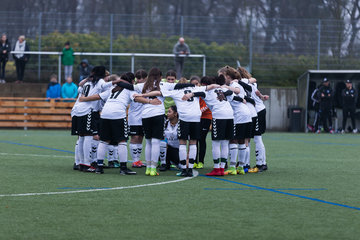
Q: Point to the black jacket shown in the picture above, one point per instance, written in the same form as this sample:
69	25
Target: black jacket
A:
4	47
326	101
25	57
349	97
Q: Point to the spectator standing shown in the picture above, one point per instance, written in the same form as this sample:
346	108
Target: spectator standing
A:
67	59
180	48
5	48
54	88
85	69
69	89
325	94
349	97
21	58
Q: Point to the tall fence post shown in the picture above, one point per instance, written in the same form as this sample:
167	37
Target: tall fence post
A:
319	45
204	65
132	63
250	45
59	68
181	26
39	48
111	39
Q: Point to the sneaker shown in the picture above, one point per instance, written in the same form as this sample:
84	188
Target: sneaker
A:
240	170
76	167
200	165
90	169
163	168
331	131
231	171
113	164
138	164
253	170
195	165
153	172
355	131
318	131
99	170
83	167
127	171
183	173
214	172
264	167
147	172
222	173
342	131
190	172
259	167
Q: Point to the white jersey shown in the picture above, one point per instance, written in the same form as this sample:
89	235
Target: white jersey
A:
219	109
89	89
150	110
135	114
259	106
73	110
171	134
249	105
116	103
189	111
241	111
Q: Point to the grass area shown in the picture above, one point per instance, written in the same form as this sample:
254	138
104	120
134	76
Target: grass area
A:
306	194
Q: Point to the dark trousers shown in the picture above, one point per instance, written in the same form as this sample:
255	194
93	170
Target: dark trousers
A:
205	126
172	156
346	112
20	68
2	69
179	66
325	117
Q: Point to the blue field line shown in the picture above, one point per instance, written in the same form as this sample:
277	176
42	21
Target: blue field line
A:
284	189
36	146
285	193
314	142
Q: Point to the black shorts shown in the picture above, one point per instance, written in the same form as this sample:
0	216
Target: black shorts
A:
222	129
136	131
154	127
189	130
242	131
261	122
113	130
85	125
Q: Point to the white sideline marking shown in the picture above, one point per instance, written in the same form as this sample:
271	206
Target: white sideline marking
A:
35	155
196	173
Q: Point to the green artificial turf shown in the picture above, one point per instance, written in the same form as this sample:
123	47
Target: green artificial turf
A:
307	193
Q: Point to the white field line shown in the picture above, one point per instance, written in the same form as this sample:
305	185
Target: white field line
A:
196	173
35	155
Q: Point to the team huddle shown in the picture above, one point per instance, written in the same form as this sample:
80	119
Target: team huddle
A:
110	108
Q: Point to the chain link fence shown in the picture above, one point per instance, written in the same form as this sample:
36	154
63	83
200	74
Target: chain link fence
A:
276	51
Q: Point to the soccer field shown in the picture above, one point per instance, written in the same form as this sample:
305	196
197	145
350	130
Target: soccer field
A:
311	191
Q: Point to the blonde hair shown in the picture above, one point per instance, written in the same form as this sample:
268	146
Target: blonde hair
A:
22	37
244	73
183	80
113	77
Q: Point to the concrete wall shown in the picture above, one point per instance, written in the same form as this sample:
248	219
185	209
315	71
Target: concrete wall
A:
23	90
277	106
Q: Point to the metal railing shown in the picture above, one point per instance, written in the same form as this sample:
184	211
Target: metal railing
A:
132	55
